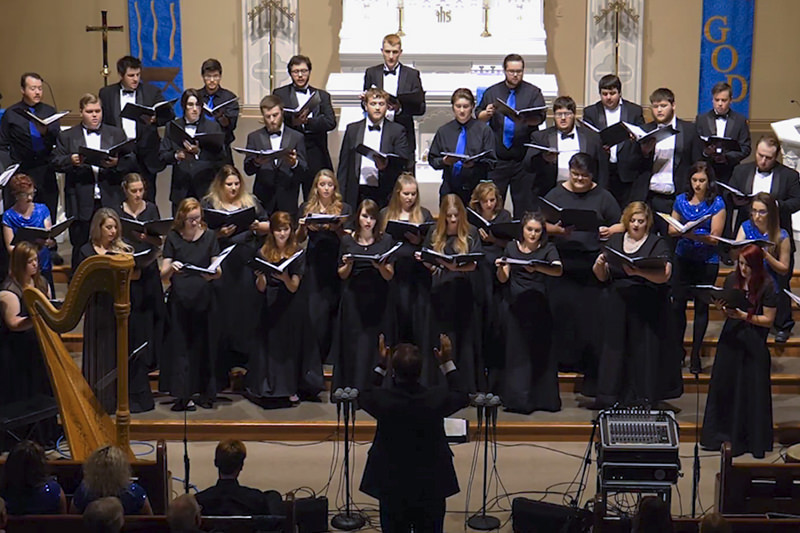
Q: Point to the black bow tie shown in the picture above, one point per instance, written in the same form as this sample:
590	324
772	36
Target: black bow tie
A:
92	132
565	136
387	72
724	117
763	174
275	133
304	91
376	127
128	91
192	123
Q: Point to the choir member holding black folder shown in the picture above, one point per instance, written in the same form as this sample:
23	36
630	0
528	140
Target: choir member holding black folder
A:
454	310
148	312
463	148
321	286
530	375
739	405
365	310
405	220
640	362
219	104
236	216
194	146
576	296
188	365
696	260
725	133
274	372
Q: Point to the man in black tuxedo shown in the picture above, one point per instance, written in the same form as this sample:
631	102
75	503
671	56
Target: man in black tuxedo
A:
194	164
766	174
214	96
314	123
722	121
360	177
398	79
610	110
131	89
87	188
277	183
510	136
664	166
410	466
228	497
29	143
568	138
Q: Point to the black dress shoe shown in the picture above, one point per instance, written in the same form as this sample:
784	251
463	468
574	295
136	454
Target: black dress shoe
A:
782	336
205	403
183	405
56	258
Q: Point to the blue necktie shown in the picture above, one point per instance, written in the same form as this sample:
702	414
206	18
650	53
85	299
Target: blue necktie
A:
36	137
461	147
508	124
211	105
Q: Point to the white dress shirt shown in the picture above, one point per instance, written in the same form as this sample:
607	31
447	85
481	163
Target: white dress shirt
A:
721	122
663	160
762	182
128	125
369	172
613	116
566	149
390	86
93	141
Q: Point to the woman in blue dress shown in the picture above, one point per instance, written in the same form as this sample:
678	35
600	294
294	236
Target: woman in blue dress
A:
26	487
696	260
24	214
107	472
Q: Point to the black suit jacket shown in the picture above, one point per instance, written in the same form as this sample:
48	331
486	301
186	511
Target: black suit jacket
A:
192	175
393	140
547	173
410	456
315	131
687	151
626	152
15	137
228	498
276	180
79	181
785	189
409	82
736	128
147	139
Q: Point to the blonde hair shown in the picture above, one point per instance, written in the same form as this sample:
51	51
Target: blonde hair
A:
439	238
106	472
482	192
270	251
186	205
394	209
314	204
95	230
637	208
216	190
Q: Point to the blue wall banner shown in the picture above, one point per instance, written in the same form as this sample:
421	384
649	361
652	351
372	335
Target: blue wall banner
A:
726	51
155	35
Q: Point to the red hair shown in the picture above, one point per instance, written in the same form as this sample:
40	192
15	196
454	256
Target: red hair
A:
754	257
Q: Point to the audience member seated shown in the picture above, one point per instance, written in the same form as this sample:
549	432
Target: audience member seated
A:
714	523
104	515
107	473
183	515
25	485
652	516
227	497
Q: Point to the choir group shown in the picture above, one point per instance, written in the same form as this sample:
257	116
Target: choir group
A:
617	223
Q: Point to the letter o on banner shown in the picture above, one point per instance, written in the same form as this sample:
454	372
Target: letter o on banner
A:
733	60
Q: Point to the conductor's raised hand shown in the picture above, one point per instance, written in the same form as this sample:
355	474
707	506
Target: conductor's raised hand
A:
384	352
444	352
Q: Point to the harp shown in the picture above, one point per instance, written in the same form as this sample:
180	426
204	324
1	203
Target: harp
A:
85	422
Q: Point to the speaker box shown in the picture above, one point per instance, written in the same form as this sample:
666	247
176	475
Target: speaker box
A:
311	514
531	516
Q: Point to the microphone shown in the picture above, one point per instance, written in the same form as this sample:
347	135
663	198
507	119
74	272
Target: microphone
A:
353	397
479	400
494	403
337	399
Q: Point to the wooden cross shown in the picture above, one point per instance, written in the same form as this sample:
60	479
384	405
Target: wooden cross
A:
105	28
271	7
618	7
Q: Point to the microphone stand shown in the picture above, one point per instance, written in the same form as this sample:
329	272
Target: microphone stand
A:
488	405
348	520
695	369
587	461
185	454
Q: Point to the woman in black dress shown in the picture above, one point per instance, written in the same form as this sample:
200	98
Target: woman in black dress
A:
148	312
640	363
454	310
739	405
99	323
188	366
487	202
274	370
365	310
530	380
411	284
575	297
322	288
238	301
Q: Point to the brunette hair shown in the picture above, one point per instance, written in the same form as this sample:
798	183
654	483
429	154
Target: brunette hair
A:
773	217
25	468
372	210
270	251
229	456
702	167
18	264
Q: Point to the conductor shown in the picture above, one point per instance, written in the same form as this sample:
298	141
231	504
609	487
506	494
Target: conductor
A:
410	465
